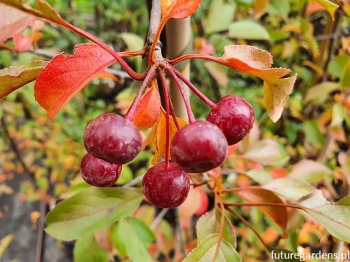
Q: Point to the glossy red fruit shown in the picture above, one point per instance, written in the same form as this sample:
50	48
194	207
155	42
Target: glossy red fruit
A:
166	187
97	172
234	116
112	138
198	147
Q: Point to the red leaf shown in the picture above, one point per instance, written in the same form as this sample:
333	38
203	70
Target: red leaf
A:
179	9
148	109
260	195
22	42
66	74
254	61
13	22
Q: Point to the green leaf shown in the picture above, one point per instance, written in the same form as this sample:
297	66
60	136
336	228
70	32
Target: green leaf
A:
313	134
206	251
278	8
345	77
266	152
133	238
125	176
309	171
336	66
260	176
74	189
248	29
345	201
209	223
219	17
290	188
91	209
335	218
338	114
87	250
319	93
132	41
313	200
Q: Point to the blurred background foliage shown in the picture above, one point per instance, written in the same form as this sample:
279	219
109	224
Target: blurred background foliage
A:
310	142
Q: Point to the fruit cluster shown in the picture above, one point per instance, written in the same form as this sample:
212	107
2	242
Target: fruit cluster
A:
200	146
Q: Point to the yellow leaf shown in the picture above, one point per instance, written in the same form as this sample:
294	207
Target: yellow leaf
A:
34	216
6	190
157	137
14	77
330	6
276	94
4	243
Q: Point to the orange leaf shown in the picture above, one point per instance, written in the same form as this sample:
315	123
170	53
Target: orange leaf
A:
257	62
148	110
157	138
260	7
106	75
14	77
66	74
260	195
179	9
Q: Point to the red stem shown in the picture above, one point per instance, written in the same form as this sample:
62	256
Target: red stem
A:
191	117
133	53
262	204
172	112
167	120
150	74
115	54
248	225
195	56
194	89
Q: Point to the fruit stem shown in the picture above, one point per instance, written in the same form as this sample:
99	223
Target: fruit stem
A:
167	120
173	114
256	204
248	225
195	56
194	89
150	74
191	117
221	229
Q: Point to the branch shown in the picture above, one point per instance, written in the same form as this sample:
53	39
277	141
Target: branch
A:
15	149
155	18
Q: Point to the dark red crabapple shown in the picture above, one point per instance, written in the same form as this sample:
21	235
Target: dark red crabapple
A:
166	187
112	138
97	172
198	147
234	116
